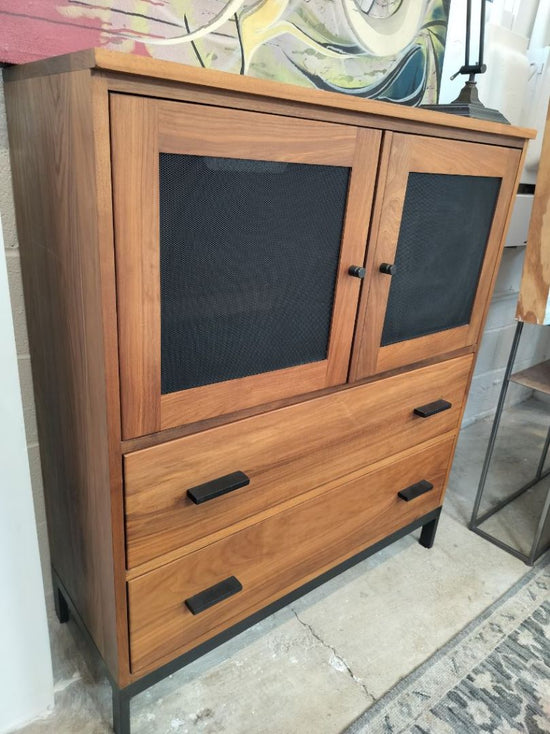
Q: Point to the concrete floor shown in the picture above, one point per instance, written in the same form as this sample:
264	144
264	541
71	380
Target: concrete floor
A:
314	666
518	449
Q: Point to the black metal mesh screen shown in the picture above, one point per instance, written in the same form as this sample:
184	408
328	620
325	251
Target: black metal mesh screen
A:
440	250
248	259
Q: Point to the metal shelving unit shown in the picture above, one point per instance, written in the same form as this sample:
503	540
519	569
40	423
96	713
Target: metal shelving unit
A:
536	378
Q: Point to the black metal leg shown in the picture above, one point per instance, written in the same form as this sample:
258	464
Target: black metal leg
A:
427	536
61	606
121	710
543	456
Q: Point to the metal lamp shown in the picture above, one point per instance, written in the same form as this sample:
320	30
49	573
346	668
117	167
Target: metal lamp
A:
468	103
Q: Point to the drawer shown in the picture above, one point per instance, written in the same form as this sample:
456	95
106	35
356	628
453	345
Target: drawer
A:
283	453
274	556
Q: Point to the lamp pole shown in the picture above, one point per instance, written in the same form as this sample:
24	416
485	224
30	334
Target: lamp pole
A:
468	103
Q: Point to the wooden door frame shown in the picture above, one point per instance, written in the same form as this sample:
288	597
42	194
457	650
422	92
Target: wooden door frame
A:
141	128
403	154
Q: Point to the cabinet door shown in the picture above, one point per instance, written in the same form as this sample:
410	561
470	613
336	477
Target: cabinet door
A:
234	233
438	224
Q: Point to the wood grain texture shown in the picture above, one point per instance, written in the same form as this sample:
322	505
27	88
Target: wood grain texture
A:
318	534
284	452
170	434
215	131
373	300
106	251
77	61
51	130
356	226
428	155
534	292
183	92
141	130
135	161
536	377
219	398
140	66
415	350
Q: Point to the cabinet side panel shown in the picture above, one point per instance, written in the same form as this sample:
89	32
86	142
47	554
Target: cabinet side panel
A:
50	123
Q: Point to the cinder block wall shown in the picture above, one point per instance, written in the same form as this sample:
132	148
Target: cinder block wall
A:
497	340
485	387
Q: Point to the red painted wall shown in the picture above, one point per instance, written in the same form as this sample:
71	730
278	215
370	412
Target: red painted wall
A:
313	43
35	29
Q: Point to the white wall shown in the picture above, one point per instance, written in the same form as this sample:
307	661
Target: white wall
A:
26	685
7	212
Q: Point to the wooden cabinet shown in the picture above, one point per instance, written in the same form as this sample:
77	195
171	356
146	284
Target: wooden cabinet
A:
254	296
275	555
345	431
440	215
253	314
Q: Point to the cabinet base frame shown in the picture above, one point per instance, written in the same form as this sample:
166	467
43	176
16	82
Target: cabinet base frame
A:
121	696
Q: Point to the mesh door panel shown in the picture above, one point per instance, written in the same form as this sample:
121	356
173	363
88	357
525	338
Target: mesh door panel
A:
440	250
248	260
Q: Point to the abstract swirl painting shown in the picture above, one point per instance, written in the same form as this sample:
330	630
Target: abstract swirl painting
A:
384	49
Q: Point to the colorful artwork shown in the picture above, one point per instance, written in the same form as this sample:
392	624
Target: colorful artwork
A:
384	49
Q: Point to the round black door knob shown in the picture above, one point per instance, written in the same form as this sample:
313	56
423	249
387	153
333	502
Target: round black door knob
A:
387	268
357	271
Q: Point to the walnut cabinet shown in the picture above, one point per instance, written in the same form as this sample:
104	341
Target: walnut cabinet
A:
253	313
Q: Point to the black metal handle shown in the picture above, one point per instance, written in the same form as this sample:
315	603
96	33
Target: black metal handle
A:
388	269
222	485
415	490
213	595
357	271
438	406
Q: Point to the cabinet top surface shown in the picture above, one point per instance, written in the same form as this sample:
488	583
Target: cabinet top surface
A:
102	60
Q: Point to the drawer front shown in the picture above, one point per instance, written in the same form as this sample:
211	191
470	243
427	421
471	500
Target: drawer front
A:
244	572
283	453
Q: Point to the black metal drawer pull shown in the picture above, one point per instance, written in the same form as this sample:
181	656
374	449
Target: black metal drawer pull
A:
415	490
222	485
438	406
214	595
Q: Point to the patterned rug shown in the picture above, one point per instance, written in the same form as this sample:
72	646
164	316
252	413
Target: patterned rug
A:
494	677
